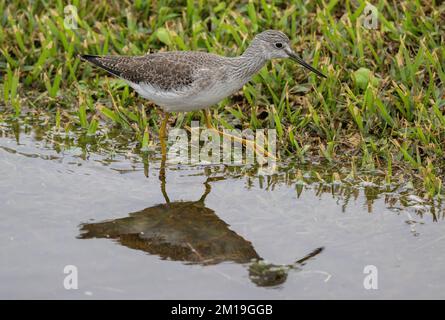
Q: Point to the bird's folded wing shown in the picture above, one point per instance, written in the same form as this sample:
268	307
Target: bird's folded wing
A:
165	72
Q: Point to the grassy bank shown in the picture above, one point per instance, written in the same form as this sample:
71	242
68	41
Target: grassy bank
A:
382	106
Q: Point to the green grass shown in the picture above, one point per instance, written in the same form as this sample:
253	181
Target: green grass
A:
388	116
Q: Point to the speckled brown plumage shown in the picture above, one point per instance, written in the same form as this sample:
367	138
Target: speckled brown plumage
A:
166	70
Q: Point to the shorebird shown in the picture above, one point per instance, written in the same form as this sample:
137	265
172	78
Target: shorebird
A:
181	81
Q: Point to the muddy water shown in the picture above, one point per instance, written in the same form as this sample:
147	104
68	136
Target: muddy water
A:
204	231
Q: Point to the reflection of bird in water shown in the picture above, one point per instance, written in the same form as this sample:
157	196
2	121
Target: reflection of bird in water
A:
188	231
180	230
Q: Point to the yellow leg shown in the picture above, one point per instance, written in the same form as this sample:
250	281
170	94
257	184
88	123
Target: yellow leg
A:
248	143
208	117
162	132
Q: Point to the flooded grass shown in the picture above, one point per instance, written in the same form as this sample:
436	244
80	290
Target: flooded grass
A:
344	182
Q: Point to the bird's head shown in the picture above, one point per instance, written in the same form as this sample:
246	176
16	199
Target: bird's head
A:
275	44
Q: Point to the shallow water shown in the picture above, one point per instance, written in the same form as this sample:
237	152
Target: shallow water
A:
204	232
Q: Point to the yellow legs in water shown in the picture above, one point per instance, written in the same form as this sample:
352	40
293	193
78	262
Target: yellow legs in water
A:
162	134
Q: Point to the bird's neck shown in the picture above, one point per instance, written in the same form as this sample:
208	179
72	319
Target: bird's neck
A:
249	63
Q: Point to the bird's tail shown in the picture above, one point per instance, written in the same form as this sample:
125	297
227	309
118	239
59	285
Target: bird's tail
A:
107	63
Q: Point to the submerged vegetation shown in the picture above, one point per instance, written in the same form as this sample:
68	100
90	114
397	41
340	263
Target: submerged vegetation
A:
382	107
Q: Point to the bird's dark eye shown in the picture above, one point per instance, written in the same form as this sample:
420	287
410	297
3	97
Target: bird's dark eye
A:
279	45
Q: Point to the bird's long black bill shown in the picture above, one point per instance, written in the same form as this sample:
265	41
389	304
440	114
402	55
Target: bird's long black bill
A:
296	58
